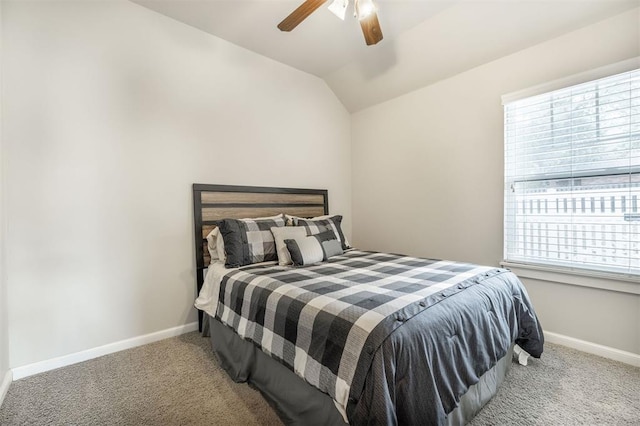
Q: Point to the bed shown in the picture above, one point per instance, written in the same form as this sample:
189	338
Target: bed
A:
363	337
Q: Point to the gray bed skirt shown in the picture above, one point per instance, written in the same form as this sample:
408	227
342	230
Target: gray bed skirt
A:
299	403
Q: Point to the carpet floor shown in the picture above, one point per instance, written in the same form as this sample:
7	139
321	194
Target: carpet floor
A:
177	381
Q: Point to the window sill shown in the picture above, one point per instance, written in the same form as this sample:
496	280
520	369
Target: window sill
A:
602	281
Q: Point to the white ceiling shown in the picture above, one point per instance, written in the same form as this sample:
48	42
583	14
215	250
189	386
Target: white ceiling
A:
424	40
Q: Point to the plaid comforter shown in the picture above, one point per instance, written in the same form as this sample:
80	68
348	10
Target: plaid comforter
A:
325	322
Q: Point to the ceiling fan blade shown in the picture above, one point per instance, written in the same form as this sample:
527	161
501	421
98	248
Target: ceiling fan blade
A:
300	14
371	29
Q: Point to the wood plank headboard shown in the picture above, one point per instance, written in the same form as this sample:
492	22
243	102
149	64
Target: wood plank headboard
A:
215	202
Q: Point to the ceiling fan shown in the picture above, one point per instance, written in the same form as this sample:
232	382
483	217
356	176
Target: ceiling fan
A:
364	10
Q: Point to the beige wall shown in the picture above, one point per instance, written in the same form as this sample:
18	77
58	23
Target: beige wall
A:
427	173
111	113
4	326
605	317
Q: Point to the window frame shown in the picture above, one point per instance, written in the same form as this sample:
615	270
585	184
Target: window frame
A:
567	271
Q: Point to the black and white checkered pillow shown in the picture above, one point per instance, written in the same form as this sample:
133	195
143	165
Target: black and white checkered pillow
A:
314	225
248	241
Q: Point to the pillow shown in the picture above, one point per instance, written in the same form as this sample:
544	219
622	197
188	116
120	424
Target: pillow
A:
331	222
248	241
313	249
291	220
215	244
212	246
220	247
291	232
287	232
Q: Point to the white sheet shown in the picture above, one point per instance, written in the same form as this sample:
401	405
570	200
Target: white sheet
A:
207	300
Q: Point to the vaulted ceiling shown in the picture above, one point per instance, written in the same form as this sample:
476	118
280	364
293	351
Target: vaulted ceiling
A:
424	40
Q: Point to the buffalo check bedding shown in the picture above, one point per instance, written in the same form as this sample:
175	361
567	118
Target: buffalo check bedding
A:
328	322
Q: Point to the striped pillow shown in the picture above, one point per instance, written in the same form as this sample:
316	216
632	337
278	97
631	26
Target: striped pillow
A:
313	249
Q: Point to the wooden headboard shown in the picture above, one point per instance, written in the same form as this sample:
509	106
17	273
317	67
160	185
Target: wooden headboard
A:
214	202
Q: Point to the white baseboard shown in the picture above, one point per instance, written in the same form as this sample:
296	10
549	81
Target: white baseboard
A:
63	361
593	348
4	386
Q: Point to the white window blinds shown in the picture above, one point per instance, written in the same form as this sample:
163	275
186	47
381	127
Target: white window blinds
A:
572	176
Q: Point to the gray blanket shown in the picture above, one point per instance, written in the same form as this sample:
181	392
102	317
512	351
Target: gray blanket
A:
419	374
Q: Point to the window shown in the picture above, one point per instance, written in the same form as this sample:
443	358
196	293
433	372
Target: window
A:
572	177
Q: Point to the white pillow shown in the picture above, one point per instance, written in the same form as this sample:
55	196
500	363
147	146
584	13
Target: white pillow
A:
286	233
212	238
222	255
215	244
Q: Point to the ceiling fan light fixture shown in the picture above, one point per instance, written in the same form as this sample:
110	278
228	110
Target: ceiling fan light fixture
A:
339	8
364	8
365	11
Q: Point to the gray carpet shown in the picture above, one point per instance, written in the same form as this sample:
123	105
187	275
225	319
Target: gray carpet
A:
175	381
566	387
178	382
